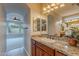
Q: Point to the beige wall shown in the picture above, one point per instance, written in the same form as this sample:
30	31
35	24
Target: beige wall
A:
35	12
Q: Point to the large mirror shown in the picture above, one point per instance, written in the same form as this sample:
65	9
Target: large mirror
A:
36	24
43	21
39	25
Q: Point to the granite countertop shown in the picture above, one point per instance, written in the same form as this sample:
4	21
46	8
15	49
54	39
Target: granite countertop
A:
59	45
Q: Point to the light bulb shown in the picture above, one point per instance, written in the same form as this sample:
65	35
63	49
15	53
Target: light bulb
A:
56	7
44	9
62	5
48	6
53	4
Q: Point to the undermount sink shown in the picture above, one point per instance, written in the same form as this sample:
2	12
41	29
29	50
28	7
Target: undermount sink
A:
49	40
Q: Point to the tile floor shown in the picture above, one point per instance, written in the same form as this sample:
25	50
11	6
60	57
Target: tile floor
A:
17	52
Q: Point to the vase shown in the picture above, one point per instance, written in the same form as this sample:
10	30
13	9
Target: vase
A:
72	41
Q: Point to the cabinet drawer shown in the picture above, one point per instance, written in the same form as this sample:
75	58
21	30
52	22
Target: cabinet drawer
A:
45	48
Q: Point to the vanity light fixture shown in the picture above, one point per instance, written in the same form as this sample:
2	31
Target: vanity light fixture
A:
62	5
52	7
44	9
56	7
53	4
48	7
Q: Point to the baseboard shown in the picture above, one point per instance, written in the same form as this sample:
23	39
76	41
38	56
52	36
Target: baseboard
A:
27	52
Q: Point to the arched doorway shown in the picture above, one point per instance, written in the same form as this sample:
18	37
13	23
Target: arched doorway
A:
17	20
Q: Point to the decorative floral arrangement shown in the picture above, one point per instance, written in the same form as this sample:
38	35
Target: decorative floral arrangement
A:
75	33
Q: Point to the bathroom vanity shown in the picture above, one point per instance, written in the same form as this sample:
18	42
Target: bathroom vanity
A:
46	47
39	49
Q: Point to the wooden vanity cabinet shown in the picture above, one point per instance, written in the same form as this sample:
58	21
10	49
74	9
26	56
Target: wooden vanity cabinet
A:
39	49
57	53
39	52
33	47
46	51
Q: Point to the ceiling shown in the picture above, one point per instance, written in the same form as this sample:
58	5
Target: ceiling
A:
68	9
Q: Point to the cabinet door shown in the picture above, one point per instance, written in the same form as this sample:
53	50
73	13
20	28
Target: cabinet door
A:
39	52
45	54
43	26
33	50
33	47
46	49
36	24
